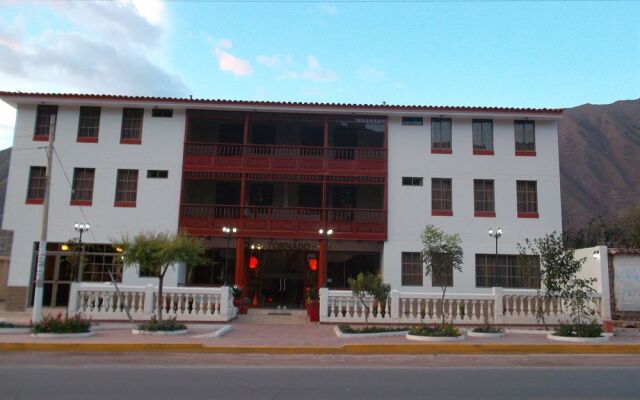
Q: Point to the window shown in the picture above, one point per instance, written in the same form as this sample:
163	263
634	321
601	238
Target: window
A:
511	271
484	198
126	188
441	135
37	181
411	269
525	132
411	181
82	191
441	197
157	174
527	199
482	136
441	275
162	113
45	122
88	124
412	121
131	126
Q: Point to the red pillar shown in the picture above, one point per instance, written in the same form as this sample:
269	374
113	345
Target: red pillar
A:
322	261
240	270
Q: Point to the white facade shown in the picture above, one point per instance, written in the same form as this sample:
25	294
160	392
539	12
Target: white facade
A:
158	200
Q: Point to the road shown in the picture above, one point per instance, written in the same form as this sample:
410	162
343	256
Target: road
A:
308	382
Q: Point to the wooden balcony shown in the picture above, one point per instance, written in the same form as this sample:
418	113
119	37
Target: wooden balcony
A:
276	158
298	222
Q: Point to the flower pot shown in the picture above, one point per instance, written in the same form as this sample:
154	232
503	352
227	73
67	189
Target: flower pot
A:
313	310
241	306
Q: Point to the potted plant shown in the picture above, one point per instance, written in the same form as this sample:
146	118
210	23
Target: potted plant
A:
241	303
313	305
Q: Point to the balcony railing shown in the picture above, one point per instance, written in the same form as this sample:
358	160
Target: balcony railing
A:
256	157
203	219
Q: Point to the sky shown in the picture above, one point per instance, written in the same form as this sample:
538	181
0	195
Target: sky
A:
461	53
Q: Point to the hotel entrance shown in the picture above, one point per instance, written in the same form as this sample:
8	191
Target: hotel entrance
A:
281	278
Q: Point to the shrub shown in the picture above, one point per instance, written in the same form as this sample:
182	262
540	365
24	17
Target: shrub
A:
58	324
7	325
443	330
580	330
371	329
167	325
488	329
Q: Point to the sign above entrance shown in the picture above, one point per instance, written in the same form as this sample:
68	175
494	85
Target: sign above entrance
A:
283	245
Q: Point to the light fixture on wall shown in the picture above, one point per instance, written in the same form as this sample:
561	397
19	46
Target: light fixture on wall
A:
596	254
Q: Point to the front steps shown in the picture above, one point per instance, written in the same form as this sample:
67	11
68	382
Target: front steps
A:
273	316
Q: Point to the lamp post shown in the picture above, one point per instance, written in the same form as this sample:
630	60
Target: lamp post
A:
227	231
325	234
496	233
81	228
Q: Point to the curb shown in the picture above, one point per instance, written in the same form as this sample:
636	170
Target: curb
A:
440	348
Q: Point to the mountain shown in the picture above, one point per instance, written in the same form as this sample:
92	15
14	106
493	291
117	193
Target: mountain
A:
599	161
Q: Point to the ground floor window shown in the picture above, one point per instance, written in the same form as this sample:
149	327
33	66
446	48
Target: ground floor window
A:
344	265
211	272
510	271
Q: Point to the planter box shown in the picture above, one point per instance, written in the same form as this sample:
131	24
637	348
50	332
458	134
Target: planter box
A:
436	338
575	339
343	335
63	335
485	334
313	310
14	331
159	333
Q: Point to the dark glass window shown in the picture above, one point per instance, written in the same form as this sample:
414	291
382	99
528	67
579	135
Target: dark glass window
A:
211	271
441	194
132	123
412	121
482	134
411	181
484	195
37	181
511	271
162	112
45	120
82	184
441	133
525	132
127	185
344	265
89	122
527	196
411	269
157	174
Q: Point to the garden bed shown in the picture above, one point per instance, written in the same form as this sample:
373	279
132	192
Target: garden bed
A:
9	328
64	335
346	331
436	333
169	327
578	339
58	327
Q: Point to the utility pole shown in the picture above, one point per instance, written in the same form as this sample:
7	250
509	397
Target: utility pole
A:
42	247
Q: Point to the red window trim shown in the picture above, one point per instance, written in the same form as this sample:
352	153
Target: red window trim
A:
441	151
87	139
40	138
34	201
130	141
442	213
481	152
129	204
488	214
526	153
528	215
81	202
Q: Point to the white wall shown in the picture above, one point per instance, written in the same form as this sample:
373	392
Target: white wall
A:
627	281
157	199
596	265
410	206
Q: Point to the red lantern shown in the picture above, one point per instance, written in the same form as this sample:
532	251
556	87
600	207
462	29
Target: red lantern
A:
313	264
253	262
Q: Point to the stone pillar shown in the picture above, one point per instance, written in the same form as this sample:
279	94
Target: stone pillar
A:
498	313
395	305
72	307
324	303
149	291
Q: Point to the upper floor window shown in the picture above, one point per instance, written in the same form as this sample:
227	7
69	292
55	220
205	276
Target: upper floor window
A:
45	122
527	192
88	124
484	198
411	181
482	136
525	132
37	182
441	135
157	174
412	121
82	188
441	203
508	271
411	269
126	188
162	112
131	125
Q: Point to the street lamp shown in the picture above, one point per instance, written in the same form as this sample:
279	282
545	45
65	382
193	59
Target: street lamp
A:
325	234
227	231
81	228
496	233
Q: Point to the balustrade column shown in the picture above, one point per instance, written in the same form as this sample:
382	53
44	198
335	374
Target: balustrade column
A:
498	306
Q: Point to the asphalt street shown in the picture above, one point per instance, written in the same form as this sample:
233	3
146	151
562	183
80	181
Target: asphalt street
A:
307	382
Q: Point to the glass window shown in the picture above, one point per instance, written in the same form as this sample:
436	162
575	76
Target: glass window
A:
510	271
525	132
482	134
45	120
126	185
132	123
82	184
37	182
89	122
441	194
484	195
412	121
411	181
157	174
162	113
441	133
411	269
527	196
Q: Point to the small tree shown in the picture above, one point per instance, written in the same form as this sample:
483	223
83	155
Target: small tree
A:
154	253
556	269
369	285
441	254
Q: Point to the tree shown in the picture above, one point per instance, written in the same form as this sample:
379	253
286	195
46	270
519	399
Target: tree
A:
556	269
441	254
154	253
369	285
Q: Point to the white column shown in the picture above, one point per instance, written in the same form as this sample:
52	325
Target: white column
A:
605	303
395	305
225	305
149	290
498	316
324	303
72	308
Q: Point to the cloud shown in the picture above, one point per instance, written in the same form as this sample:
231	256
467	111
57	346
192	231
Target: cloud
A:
327	9
227	62
370	74
275	61
313	72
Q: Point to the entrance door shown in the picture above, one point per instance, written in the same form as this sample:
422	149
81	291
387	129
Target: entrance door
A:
281	279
